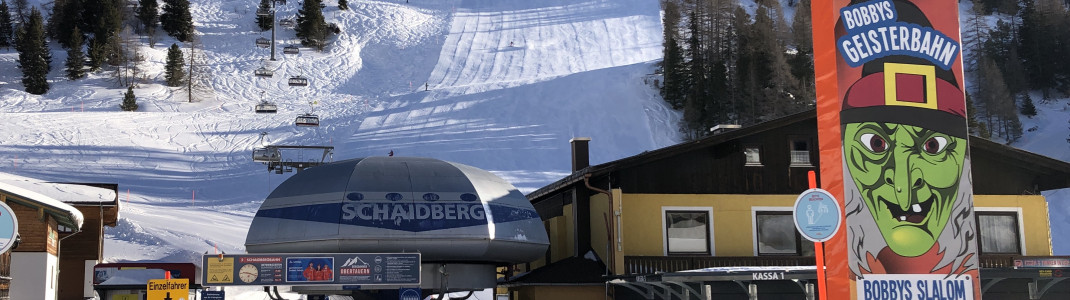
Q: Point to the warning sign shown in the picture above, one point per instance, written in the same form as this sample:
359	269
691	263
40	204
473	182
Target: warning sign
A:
167	289
219	271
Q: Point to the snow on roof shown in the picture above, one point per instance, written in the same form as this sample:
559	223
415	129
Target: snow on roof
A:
755	269
53	194
133	276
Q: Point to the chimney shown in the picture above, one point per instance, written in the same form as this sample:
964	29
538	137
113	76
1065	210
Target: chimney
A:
581	157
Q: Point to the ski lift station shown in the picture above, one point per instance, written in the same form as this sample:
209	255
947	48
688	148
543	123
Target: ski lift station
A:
463	222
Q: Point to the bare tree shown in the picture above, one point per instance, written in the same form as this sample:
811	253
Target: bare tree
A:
128	58
197	84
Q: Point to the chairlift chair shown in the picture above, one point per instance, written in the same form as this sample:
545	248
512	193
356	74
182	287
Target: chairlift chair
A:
263	12
264	72
263	42
307	120
291	49
298	81
266	107
286	23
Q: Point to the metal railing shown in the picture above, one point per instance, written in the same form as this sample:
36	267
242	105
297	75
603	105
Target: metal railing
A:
663	264
800	158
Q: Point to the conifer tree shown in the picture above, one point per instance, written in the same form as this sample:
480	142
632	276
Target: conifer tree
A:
75	58
34	56
6	30
102	18
173	72
66	16
176	19
264	22
97	52
129	101
148	13
20	10
1028	109
311	27
343	4
673	69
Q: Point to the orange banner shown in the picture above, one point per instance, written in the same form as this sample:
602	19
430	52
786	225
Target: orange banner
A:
893	140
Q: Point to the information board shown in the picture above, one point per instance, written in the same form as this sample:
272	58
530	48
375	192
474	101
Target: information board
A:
817	215
312	269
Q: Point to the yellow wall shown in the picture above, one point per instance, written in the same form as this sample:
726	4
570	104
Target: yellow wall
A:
641	220
558	292
562	237
599	213
1034	218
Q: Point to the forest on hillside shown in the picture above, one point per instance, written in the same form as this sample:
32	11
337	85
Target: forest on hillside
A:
106	35
723	65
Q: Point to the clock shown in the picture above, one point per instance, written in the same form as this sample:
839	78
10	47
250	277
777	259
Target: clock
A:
248	273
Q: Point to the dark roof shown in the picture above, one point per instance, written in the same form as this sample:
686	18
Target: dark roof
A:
572	271
1033	161
604	168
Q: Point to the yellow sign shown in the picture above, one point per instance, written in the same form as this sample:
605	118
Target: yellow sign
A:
124	297
167	289
220	270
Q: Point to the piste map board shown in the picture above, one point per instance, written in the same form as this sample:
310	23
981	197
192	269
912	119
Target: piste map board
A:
311	269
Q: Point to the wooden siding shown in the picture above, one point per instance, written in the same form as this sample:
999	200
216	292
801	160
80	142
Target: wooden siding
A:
33	227
721	168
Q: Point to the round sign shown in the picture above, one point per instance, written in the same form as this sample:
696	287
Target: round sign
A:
817	215
9	228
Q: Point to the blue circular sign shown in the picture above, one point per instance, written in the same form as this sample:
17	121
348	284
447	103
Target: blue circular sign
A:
817	215
9	228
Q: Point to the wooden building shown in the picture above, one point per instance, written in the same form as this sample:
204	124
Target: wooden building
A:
57	238
725	201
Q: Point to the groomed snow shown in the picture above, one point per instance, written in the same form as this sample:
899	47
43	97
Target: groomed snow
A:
508	84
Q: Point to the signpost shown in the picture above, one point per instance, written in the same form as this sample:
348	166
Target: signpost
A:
817	224
167	289
9	228
312	269
817	215
213	295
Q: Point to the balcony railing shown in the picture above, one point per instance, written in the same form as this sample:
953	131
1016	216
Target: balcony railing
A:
665	264
800	158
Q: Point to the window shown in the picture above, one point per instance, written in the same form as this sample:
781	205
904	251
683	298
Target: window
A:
753	155
687	232
776	235
999	232
800	154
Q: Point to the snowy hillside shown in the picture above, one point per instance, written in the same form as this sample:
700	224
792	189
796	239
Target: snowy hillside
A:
574	68
508	84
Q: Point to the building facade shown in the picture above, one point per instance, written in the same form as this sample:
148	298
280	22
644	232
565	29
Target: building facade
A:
723	204
57	241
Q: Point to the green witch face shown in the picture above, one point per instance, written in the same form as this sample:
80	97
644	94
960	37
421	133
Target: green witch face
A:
908	176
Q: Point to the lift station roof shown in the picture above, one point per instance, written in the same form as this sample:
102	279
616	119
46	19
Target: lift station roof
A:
446	211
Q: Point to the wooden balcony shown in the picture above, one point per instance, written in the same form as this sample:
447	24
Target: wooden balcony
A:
665	264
